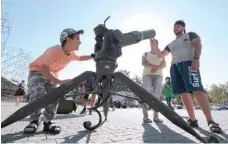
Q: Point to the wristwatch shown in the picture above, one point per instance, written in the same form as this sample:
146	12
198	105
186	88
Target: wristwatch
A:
196	58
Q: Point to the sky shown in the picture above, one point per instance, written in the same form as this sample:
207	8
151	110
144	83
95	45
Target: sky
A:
37	25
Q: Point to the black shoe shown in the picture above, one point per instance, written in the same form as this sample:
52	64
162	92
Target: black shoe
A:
193	123
214	127
83	111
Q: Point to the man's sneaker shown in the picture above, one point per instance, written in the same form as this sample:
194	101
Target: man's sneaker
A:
193	123
147	120
158	120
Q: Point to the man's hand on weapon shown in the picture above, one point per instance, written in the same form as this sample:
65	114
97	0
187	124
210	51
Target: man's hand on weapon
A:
153	43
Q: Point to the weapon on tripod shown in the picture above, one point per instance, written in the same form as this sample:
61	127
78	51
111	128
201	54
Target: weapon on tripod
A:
107	49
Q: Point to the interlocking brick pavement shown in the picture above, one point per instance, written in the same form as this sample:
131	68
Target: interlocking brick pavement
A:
123	126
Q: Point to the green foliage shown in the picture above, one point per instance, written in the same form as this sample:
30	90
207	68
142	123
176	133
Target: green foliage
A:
178	100
137	79
218	93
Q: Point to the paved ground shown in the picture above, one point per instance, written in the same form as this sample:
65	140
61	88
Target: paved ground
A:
123	126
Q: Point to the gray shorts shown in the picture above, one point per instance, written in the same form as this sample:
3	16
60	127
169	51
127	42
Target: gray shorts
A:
38	85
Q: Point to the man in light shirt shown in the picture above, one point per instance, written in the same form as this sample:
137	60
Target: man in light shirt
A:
152	78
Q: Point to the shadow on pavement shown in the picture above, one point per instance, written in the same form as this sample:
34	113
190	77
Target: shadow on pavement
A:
80	135
221	139
9	138
68	116
166	135
59	117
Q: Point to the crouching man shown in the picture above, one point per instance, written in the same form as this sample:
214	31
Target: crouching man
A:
43	77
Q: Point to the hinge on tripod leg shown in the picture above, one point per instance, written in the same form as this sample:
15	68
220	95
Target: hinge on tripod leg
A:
143	103
140	101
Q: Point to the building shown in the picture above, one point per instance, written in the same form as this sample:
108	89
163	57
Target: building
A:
7	89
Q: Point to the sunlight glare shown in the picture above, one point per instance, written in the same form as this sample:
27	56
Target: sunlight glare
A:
131	58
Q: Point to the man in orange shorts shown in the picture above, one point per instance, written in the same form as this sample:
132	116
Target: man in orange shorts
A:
43	74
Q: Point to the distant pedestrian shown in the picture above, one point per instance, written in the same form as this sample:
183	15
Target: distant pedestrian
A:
168	92
20	92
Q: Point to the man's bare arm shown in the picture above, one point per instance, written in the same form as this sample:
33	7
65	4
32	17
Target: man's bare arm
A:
197	47
196	42
82	58
166	51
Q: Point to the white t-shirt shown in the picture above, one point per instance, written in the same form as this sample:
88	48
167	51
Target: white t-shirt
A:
155	60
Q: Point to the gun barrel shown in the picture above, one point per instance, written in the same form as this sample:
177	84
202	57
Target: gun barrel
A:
134	37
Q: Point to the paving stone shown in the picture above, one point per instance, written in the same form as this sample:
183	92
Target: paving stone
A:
123	126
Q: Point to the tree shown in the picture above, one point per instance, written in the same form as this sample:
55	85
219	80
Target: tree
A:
178	99
119	86
218	93
137	79
126	72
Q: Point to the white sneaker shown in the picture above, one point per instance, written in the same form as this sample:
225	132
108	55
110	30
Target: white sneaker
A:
147	120
156	119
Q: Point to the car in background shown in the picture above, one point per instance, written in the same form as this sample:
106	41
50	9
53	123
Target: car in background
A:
196	106
119	104
178	107
226	106
219	107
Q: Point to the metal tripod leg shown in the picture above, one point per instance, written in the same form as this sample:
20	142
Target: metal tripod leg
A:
106	97
153	102
43	101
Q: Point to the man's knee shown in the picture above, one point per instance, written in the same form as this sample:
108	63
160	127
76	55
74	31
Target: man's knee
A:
37	92
185	94
199	93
